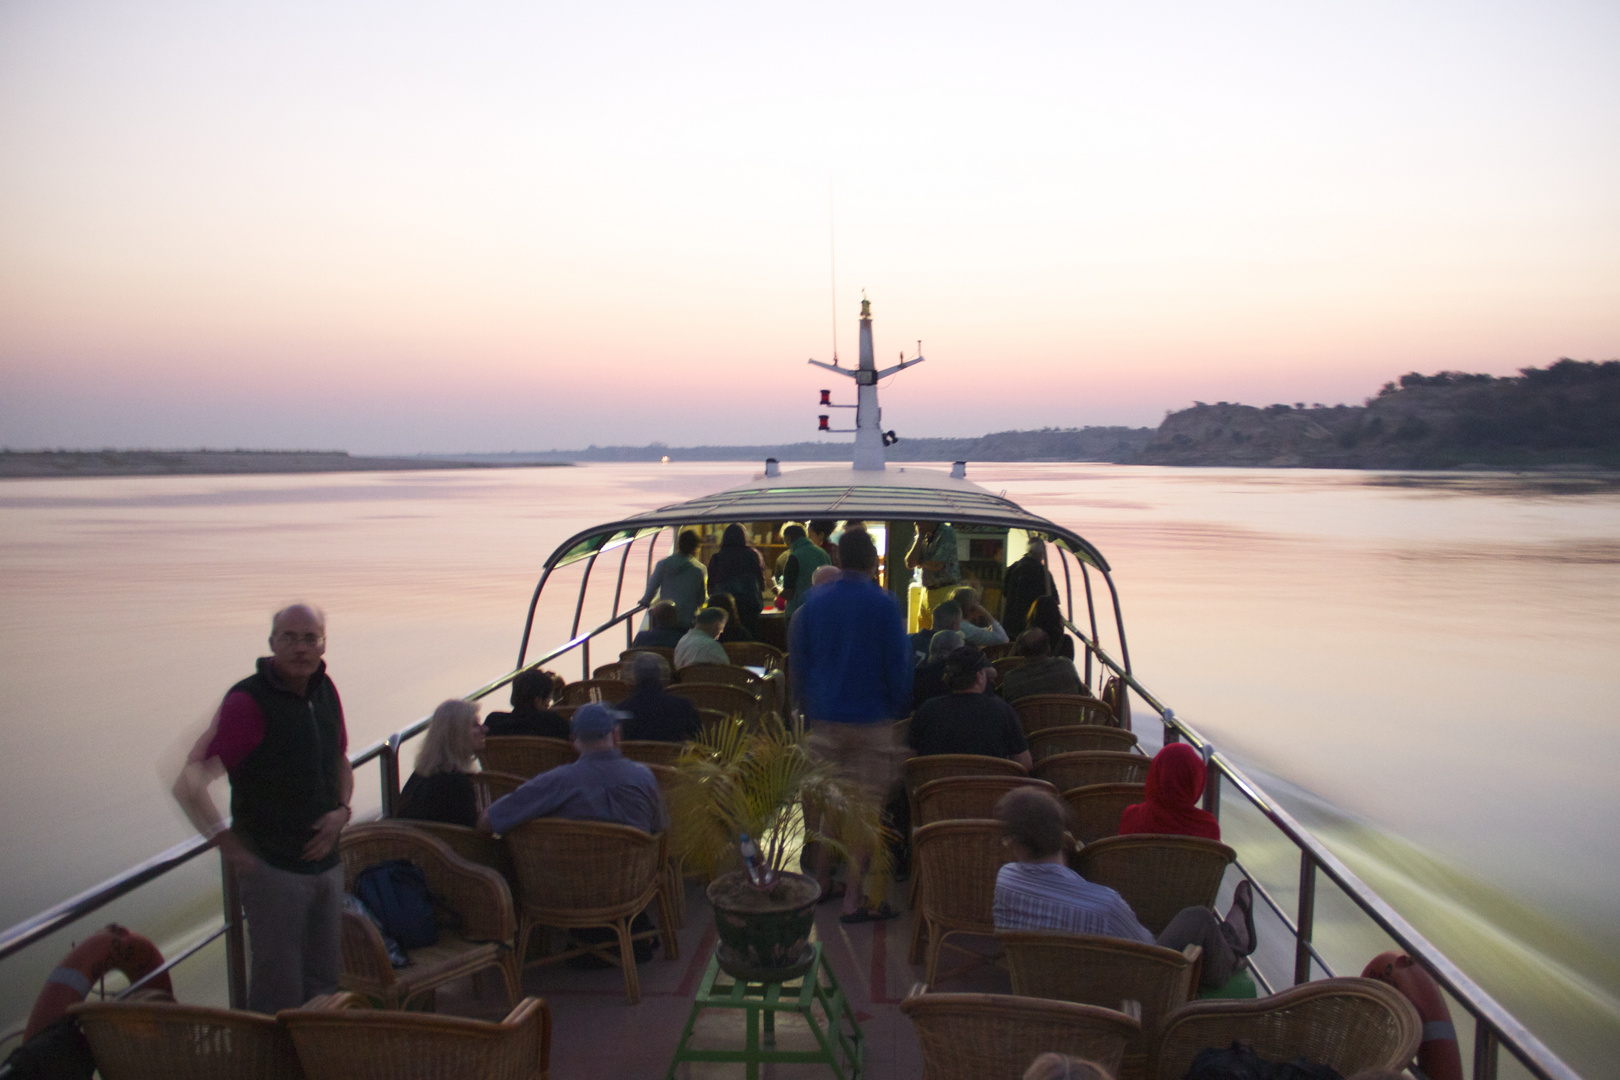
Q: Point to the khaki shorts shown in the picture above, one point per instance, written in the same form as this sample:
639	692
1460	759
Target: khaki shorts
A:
865	752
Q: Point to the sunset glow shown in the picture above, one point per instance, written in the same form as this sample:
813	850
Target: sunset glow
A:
414	226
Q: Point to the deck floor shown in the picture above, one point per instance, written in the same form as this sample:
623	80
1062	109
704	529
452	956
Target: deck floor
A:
597	1033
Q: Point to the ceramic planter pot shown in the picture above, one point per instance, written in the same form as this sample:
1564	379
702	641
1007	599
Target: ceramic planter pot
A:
764	936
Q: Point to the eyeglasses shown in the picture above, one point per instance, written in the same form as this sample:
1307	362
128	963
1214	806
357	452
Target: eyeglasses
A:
289	639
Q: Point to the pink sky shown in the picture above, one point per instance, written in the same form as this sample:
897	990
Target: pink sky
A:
416	227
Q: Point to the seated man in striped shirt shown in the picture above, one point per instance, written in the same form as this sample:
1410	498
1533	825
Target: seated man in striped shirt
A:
1039	892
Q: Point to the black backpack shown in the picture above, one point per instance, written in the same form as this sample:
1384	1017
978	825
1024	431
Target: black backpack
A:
397	893
1240	1062
60	1052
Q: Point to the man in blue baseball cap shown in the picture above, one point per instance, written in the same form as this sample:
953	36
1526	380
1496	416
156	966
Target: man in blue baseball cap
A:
603	785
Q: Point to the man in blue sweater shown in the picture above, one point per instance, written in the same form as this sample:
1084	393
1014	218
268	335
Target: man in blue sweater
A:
852	665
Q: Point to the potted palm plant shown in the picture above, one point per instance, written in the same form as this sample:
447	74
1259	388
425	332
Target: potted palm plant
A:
746	803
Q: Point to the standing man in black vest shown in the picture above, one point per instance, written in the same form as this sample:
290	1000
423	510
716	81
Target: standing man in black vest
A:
279	735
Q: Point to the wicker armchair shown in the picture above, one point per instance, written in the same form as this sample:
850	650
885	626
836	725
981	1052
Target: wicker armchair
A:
476	893
490	785
1071	737
756	654
525	755
592	873
611	691
618	670
957	861
920	770
723	675
1094	810
996	1036
1037	712
1157	875
675	865
1094	970
730	700
667	653
341	1042
650	751
966	796
1081	768
1350	1024
165	1041
478	848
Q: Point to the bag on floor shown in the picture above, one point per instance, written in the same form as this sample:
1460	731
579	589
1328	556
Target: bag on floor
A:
397	893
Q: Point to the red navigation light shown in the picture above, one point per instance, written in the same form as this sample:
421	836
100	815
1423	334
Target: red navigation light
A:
823	426
826	397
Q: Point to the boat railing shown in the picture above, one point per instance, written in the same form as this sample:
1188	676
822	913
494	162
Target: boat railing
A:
1494	1027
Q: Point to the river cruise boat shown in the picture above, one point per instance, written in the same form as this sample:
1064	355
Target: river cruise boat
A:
593	583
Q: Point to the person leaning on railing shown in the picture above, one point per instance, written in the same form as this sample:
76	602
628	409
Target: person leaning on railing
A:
1038	891
279	735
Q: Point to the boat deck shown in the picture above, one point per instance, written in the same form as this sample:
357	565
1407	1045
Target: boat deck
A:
593	1025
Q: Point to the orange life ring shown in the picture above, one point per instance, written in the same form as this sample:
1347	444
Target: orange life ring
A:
1439	1054
112	949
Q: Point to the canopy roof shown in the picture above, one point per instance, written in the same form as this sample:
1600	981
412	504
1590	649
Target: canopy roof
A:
903	494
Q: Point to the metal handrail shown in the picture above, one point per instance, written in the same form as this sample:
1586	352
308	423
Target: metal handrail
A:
1495	1026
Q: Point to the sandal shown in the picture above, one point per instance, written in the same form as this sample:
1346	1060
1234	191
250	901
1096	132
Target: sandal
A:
837	890
1243	904
881	913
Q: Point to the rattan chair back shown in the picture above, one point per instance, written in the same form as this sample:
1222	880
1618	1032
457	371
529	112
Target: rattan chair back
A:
1037	712
611	691
967	796
1094	810
364	1044
957	860
650	751
920	770
756	654
618	670
478	848
1157	875
996	1036
722	675
1004	664
667	653
166	1041
525	756
1349	1024
727	699
1095	970
1080	768
1072	737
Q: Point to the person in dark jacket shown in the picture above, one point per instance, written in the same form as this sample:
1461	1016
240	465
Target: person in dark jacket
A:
664	629
928	681
739	570
655	713
533	691
1044	614
1027	580
967	720
1041	672
441	788
735	630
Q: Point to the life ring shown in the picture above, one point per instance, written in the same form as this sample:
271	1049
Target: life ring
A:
1438	1054
112	949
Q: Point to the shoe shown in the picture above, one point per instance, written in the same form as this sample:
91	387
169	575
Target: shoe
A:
1242	933
837	890
881	913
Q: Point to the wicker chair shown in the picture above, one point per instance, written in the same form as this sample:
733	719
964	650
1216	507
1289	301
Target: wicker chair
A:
1081	768
957	861
1037	712
675	868
611	691
1094	810
618	670
996	1036
1094	970
341	1042
1350	1024
165	1041
722	674
966	796
478	848
730	700
756	654
1071	737
526	756
490	785
1004	664
592	873
920	770
650	751
476	893
1157	875
668	654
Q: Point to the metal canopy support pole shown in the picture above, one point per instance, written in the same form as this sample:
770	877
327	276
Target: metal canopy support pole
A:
1068	586
1484	1050
1307	917
1091	614
528	624
1212	782
388	770
1119	623
579	608
235	939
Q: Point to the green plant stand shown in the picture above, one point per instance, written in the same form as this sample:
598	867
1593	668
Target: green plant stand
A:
842	1046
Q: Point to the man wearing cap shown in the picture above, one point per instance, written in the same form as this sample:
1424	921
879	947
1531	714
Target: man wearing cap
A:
603	785
967	720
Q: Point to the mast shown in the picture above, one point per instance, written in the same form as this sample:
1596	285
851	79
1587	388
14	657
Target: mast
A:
869	435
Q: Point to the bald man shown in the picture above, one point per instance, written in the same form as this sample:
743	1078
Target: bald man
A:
279	736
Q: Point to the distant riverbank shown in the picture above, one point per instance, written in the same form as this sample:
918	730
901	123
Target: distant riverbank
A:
24	464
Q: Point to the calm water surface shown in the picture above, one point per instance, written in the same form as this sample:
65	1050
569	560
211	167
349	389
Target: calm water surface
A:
1430	661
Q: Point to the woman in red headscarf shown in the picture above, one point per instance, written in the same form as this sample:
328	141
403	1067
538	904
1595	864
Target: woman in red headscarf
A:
1175	781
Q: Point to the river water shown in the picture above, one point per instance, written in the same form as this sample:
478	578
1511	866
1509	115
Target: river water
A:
1425	663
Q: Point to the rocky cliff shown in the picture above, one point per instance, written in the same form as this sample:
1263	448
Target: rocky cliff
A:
1565	414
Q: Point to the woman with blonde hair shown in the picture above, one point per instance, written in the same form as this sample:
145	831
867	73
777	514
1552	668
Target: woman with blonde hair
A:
440	789
1063	1067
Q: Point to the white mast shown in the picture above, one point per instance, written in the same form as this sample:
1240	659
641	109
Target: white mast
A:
869	437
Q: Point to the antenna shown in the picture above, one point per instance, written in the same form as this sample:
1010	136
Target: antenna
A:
832	260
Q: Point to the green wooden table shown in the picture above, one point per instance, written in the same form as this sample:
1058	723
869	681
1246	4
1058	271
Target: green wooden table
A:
842	1047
